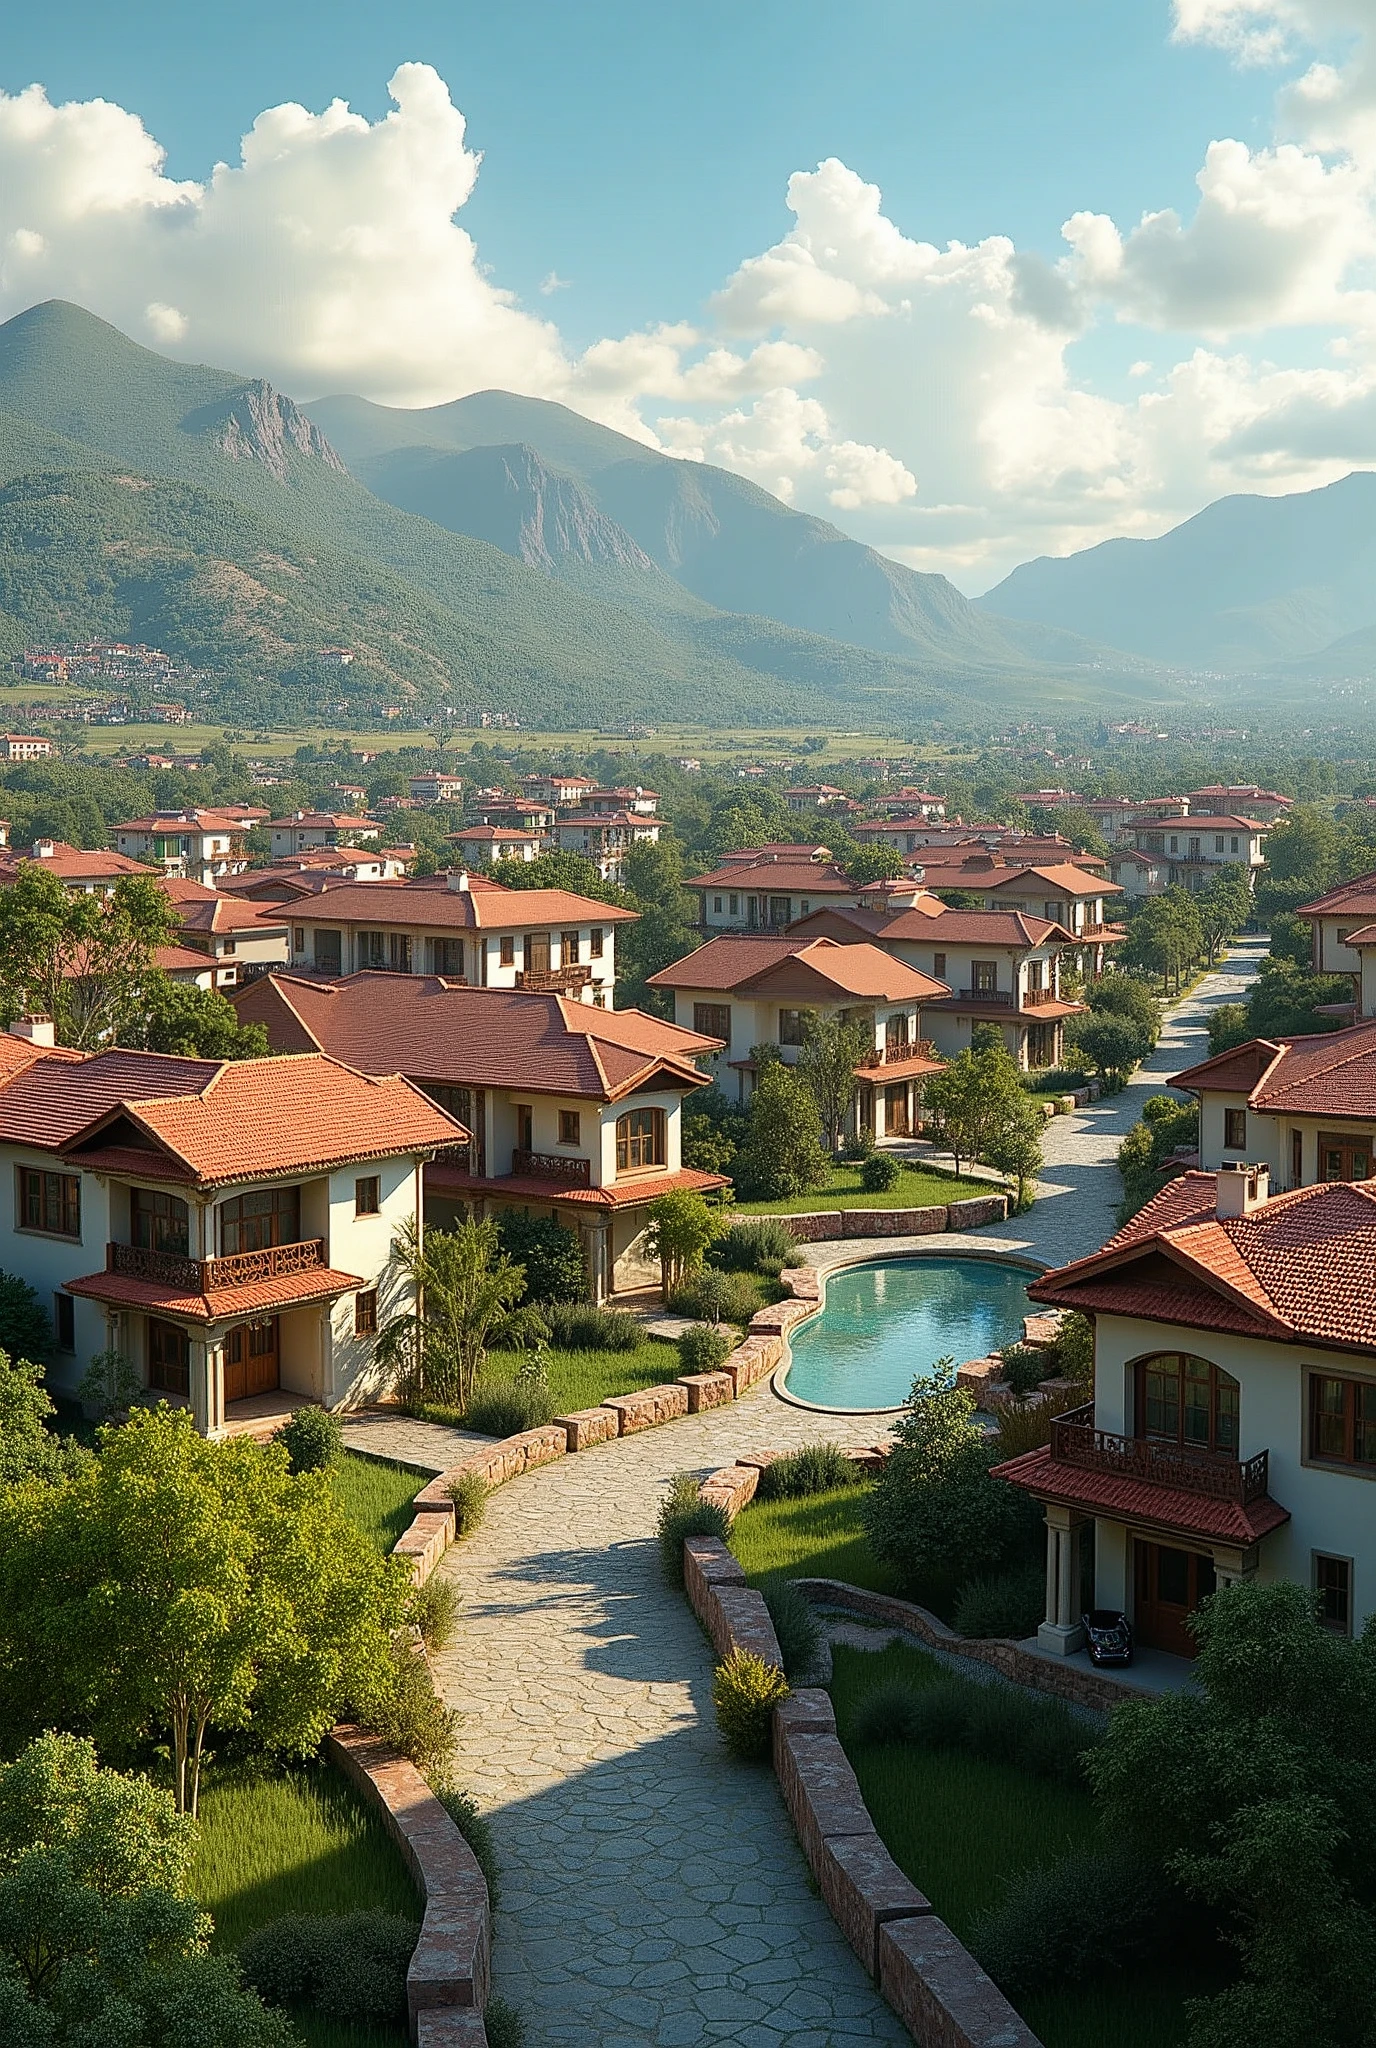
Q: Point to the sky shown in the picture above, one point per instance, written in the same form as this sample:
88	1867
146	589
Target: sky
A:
976	283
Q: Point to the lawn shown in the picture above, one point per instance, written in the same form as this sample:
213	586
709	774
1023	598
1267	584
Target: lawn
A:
580	1379
917	1187
820	1536
297	1841
958	1826
377	1495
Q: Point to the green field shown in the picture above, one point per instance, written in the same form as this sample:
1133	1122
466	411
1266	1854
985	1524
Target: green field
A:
377	1495
582	1379
821	1536
917	1187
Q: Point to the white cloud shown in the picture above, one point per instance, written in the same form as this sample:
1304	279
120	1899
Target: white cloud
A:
551	283
864	475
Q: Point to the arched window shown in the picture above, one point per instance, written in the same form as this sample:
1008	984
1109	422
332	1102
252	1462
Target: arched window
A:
639	1140
1186	1400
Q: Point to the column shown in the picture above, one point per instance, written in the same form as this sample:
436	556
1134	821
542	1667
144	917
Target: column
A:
1061	1632
205	1384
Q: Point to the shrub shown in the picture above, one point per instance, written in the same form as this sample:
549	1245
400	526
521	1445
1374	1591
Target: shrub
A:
1095	1911
879	1173
313	1439
468	1492
858	1148
1025	1367
504	2024
476	1830
940	1715
817	1468
26	1330
704	1348
683	1513
346	1966
1002	1603
411	1718
888	1713
1007	1725
760	1244
1075	1349
715	1297
506	1407
551	1255
795	1626
745	1692
435	1611
578	1326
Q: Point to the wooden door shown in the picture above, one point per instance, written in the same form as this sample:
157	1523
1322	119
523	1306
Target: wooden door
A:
896	1110
537	952
251	1360
1169	1584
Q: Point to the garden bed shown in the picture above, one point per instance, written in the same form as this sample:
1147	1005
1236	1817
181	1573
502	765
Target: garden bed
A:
376	1495
577	1379
917	1187
959	1826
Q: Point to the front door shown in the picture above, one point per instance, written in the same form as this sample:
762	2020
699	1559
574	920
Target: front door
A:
537	953
896	1110
1170	1584
251	1361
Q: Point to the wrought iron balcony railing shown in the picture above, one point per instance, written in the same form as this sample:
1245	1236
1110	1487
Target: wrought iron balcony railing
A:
1188	1467
204	1276
551	1166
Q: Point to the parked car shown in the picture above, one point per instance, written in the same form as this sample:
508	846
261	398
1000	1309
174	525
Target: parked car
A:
1108	1636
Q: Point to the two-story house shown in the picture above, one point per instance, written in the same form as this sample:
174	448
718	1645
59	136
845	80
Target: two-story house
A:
230	931
463	927
766	888
305	829
85	871
1064	893
748	991
574	1112
192	845
1002	968
1232	1433
226	1227
1305	1108
1334	919
1237	799
1194	849
605	837
557	789
436	786
488	844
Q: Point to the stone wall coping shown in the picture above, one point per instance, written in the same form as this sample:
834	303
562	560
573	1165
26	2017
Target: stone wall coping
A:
451	1966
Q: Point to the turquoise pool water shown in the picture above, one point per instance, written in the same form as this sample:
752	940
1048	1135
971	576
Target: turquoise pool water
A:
884	1324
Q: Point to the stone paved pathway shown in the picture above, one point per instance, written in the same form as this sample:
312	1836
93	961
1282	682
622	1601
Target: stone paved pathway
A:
429	1446
652	1891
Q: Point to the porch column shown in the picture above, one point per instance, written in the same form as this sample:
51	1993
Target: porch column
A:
597	1258
1061	1632
207	1402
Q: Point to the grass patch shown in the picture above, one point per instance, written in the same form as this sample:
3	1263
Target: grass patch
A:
377	1495
820	1536
958	1826
579	1379
917	1187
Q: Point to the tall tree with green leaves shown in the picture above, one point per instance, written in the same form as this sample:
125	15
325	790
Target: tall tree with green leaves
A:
682	1225
832	1049
782	1155
86	961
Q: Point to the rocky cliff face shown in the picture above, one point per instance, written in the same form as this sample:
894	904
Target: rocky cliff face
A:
258	424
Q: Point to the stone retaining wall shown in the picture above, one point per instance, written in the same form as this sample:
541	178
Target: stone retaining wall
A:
819	1225
449	1975
934	1985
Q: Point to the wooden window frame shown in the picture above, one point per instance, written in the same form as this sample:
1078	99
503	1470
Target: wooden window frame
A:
62	1197
1156	1361
259	1216
166	1377
570	1127
596	940
639	1131
570	949
144	1202
978	970
1349	1148
506	950
1337	1589
713	1020
1231	1142
368	1195
792	1033
1356	1426
365	1312
64	1323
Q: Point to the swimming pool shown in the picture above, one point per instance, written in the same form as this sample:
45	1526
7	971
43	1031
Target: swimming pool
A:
884	1323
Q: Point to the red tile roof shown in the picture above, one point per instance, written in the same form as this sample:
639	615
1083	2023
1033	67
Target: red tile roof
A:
1058	875
1143	1502
486	907
799	967
1207	821
54	1098
1330	1074
779	876
1356	898
1297	1269
71	863
441	1178
253	1297
474	1037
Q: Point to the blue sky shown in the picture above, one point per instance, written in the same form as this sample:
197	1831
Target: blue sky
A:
976	281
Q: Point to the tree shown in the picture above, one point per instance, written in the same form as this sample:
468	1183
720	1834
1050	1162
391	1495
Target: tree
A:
1224	906
99	1940
1147	1156
28	1447
1255	1789
1292	939
875	863
1228	1027
83	960
979	1104
1123	995
1285	1000
663	932
467	1292
681	1226
26	1330
832	1049
171	1584
551	1256
782	1154
561	871
1165	936
1014	1146
935	1515
1113	1046
196	1022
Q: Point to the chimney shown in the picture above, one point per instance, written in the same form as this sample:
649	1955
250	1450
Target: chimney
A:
1241	1189
458	879
36	1026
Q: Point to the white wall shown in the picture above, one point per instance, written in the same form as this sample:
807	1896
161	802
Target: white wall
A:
46	1263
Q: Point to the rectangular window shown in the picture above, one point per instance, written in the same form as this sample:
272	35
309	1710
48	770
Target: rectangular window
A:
365	1312
446	958
639	1140
371	950
595	943
1344	1157
939	966
298	938
791	1027
368	1195
716	905
735	904
1342	1421
260	1219
804	907
1333	1590
329	952
570	1127
713	1020
780	909
984	977
64	1322
568	949
158	1221
1296	1159
399	952
1218	843
525	1127
1234	846
506	950
169	1358
468	1107
1235	1130
1175	844
50	1202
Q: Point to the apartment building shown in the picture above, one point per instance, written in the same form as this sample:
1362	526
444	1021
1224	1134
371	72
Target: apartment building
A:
228	932
574	1112
1237	799
434	786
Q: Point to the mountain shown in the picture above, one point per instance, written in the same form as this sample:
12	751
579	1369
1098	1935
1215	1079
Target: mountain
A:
719	537
1247	584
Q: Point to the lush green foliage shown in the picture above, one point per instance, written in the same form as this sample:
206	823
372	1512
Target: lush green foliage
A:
681	1226
703	1347
796	1628
1099	1910
981	1110
578	1326
476	1830
471	1291
717	1297
762	1245
434	1610
817	1468
409	1716
1007	1603
1166	1126
26	1330
1108	1045
376	1495
832	1049
682	1513
810	1536
468	1492
880	1173
85	961
999	1722
348	1966
312	1438
1283	1002
919	1187
195	1022
782	1153
745	1692
506	1407
29	1449
551	1256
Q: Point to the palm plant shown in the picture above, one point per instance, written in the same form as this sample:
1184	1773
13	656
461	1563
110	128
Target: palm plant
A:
466	1290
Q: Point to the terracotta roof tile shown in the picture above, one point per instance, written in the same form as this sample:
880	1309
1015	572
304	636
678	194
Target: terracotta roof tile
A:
1355	898
1321	1074
799	966
490	908
1171	1509
442	1178
1074	881
53	1098
254	1297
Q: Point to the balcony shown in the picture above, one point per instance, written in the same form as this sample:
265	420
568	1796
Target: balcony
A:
1034	998
553	980
1186	1467
1001	998
898	1055
204	1276
551	1166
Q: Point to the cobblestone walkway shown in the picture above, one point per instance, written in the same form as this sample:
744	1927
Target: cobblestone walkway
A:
652	1891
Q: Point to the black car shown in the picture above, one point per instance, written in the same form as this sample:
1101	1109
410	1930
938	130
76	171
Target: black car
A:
1108	1636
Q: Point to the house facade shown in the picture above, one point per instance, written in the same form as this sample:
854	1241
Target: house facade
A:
768	888
1304	1108
306	829
462	927
1232	1431
1067	894
746	992
573	1112
492	843
605	837
234	935
1335	919
85	871
1193	849
225	1227
194	845
435	786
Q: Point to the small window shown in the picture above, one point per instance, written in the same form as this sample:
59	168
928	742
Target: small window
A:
50	1202
365	1313
734	904
984	977
367	1195
939	966
1218	843
595	943
1175	844
1333	1591
1235	1130
716	905
713	1020
803	907
1342	1421
570	1127
64	1321
507	950
791	1027
298	938
1234	846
